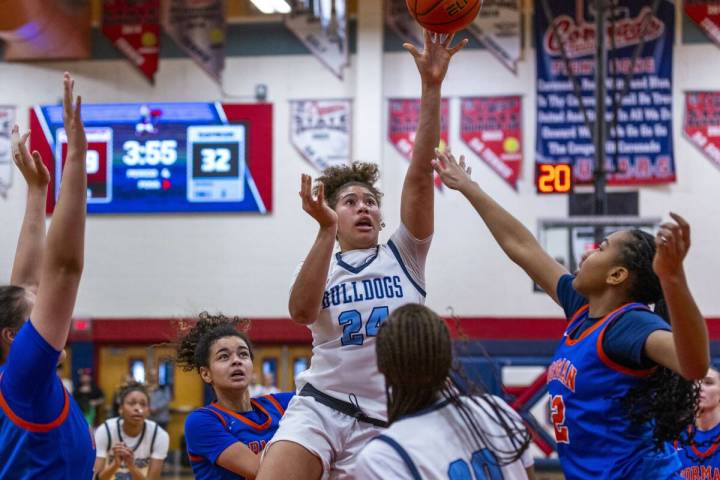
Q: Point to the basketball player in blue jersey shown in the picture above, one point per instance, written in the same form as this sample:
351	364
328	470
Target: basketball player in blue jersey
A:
225	437
466	436
43	433
344	297
698	447
617	383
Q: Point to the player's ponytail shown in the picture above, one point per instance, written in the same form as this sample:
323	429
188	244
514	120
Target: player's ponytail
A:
14	310
414	352
664	400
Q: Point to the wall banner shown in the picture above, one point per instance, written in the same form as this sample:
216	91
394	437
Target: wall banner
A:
701	123
492	128
497	28
7	120
640	148
320	131
706	14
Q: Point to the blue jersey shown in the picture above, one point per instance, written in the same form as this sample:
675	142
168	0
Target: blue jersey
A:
700	457
43	433
595	437
210	430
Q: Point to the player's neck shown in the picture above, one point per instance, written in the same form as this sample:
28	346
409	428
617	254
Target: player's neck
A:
234	400
602	303
132	429
708	419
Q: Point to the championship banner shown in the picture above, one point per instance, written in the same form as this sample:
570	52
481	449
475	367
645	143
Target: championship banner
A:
323	31
320	131
640	148
7	120
497	28
706	14
399	20
45	30
492	128
701	124
198	27
133	26
403	119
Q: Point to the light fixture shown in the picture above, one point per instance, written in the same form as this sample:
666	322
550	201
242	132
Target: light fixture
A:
272	6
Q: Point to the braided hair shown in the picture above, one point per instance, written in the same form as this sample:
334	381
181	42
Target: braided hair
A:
414	352
14	309
336	178
195	341
664	399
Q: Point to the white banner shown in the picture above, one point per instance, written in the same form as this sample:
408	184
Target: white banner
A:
320	130
497	28
324	35
7	120
398	18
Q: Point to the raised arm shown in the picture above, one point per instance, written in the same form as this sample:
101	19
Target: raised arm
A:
62	264
307	291
512	236
31	242
686	350
416	204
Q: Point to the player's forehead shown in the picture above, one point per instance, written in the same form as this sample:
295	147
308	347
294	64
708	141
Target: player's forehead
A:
356	191
230	344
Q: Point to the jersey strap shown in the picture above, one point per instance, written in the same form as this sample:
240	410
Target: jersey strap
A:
347	408
601	351
31	426
399	259
403	455
275	404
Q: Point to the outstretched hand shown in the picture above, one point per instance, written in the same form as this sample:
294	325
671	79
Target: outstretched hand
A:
31	167
316	206
455	175
433	62
672	242
77	142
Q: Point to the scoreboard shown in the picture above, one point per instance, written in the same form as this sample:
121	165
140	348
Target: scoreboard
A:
165	157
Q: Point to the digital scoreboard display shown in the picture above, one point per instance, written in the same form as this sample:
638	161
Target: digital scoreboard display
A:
166	157
554	178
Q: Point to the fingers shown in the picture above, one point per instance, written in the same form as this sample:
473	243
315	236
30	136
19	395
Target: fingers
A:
411	48
39	165
427	37
320	193
684	227
304	185
458	47
78	105
68	84
448	40
670	237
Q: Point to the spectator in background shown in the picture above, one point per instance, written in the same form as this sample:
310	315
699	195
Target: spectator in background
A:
160	398
67	382
88	396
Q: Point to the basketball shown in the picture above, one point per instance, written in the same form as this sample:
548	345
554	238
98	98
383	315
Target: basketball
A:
444	16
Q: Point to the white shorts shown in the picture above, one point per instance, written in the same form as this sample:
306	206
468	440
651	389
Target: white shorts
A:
335	438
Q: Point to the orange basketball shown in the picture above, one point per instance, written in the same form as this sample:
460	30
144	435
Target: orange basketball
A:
444	16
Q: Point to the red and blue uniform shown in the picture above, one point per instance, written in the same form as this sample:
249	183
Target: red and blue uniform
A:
595	436
210	430
43	433
700	457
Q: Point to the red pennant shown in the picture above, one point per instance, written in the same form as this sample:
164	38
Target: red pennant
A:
707	16
702	123
492	128
133	26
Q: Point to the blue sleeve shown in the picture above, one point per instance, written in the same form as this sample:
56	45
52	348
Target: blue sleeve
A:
570	300
206	436
30	383
283	398
624	340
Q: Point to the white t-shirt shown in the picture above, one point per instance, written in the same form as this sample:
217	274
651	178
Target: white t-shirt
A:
363	288
427	444
147	447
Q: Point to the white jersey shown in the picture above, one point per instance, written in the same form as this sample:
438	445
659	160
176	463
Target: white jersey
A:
437	444
363	288
152	443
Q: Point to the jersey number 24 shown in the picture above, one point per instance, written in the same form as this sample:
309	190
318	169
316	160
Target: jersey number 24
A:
484	466
352	323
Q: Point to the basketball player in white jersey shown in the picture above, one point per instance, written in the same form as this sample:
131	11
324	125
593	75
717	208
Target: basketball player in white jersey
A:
344	297
435	431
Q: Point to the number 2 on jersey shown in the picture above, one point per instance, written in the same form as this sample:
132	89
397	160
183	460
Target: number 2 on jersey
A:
351	320
557	407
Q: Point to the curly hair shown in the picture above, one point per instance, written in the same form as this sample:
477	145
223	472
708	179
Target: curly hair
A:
336	178
194	343
414	352
130	387
665	399
14	309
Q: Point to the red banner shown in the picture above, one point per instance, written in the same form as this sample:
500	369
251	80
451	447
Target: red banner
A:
403	118
706	14
133	26
492	128
702	123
